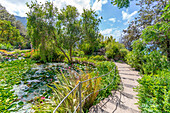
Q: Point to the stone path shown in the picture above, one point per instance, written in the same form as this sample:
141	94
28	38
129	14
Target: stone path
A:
123	100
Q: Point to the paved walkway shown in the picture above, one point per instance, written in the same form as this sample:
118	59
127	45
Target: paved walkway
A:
123	100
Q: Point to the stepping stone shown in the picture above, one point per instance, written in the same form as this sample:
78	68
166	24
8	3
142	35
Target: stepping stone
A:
131	82
130	76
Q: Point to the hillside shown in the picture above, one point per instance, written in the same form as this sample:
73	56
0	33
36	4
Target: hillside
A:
22	19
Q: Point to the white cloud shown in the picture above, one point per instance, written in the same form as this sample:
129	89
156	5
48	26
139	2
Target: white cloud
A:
104	1
97	6
127	16
79	4
106	31
113	20
119	20
115	32
18	7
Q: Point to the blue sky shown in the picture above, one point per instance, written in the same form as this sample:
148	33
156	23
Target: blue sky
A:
113	22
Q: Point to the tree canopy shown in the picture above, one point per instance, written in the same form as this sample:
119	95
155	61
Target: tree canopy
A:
60	29
8	33
158	35
5	15
149	14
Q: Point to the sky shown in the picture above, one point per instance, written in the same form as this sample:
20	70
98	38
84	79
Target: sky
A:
113	22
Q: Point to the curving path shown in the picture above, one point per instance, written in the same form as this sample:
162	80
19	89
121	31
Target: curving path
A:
123	100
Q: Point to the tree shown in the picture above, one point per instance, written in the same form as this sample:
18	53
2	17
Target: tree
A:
132	33
60	29
158	35
71	31
90	31
8	33
149	14
4	15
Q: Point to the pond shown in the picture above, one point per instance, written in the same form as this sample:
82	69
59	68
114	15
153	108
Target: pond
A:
33	84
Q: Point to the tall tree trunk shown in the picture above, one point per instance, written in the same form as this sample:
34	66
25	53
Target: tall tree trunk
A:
71	53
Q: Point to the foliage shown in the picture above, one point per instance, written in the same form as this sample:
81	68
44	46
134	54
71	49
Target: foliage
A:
63	87
78	53
123	53
62	30
18	51
144	60
9	34
135	57
5	15
35	56
153	61
132	33
1	58
115	50
67	83
89	46
54	55
154	92
98	58
6	46
121	3
158	34
148	15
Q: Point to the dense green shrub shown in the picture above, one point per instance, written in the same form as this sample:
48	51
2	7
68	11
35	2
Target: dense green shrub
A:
135	57
153	61
115	50
112	50
52	56
6	46
36	56
78	53
144	60
154	92
98	57
123	53
87	48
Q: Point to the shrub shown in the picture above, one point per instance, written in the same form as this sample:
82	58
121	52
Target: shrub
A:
78	53
87	48
135	57
116	50
27	55
55	56
35	56
98	57
153	61
123	53
144	60
154	92
7	46
112	50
